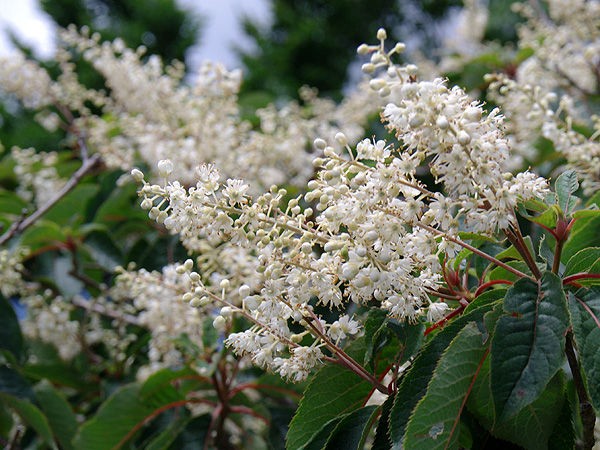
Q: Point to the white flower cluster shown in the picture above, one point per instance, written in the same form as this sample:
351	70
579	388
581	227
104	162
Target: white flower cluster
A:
467	147
154	298
364	231
11	266
50	318
151	114
37	175
25	80
549	92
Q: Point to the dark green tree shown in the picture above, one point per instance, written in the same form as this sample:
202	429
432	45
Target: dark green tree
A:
161	25
312	42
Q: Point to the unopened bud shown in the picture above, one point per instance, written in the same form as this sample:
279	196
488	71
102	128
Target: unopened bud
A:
319	144
219	323
368	68
362	49
341	138
165	167
137	175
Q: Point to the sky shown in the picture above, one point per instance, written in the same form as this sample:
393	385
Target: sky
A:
220	31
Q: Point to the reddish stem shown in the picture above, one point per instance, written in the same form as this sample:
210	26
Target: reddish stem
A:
484	286
152	415
245	410
443	321
580	276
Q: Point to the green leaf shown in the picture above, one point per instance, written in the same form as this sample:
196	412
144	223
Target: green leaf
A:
331	393
43	233
104	250
586	260
512	253
194	435
158	388
119	417
500	273
410	337
31	416
548	215
121	205
528	343
538	418
382	431
563	433
593	201
60	416
389	338
586	213
351	432
167	436
434	424
13	383
319	439
11	338
57	373
584	234
71	208
414	383
7	422
584	307
566	185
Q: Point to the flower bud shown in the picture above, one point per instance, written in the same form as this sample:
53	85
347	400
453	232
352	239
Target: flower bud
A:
319	144
463	137
146	203
165	167
381	34
137	175
362	49
219	323
368	68
377	83
341	138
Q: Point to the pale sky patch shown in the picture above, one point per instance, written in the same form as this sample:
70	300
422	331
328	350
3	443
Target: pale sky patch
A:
220	31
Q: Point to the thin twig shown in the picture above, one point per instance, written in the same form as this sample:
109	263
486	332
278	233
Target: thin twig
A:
21	225
94	307
474	250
